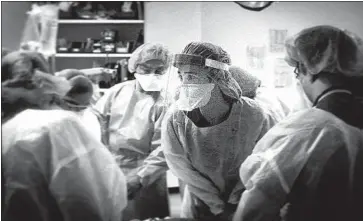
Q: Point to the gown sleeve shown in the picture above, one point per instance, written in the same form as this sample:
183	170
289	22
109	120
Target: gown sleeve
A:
269	120
155	164
181	167
271	170
102	111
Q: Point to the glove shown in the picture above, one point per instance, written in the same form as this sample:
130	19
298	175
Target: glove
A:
228	213
133	186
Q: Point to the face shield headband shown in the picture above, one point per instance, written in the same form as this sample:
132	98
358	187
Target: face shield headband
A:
187	59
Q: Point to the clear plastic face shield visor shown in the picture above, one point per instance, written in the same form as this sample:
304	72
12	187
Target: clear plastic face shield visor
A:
206	73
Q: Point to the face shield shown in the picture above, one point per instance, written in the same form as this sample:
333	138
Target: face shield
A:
194	78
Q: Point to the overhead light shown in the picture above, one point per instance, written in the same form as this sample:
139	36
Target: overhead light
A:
254	6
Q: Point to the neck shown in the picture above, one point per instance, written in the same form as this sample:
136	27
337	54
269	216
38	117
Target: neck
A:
318	87
216	109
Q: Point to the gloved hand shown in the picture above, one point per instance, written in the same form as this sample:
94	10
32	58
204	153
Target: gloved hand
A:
228	213
133	186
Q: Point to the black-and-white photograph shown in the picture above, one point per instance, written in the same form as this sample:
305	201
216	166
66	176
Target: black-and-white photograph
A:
182	110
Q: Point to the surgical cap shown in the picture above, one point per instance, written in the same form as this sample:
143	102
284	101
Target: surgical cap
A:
216	60
246	81
21	64
325	49
25	82
147	52
81	87
30	70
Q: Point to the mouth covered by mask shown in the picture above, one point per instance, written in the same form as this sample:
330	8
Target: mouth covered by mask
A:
150	82
192	96
215	69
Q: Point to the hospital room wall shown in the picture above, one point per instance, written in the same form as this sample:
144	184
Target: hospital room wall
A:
12	23
233	28
174	24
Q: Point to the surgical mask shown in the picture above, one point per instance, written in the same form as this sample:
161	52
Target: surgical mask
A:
192	96
150	82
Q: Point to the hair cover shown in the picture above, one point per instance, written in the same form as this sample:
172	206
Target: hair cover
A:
326	49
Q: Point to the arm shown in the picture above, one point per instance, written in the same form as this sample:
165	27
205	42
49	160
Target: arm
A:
264	196
85	179
271	170
268	122
181	167
154	165
102	111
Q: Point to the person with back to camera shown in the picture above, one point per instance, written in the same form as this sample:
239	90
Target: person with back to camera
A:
52	167
310	165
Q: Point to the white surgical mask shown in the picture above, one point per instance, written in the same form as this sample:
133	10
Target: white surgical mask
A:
150	82
192	96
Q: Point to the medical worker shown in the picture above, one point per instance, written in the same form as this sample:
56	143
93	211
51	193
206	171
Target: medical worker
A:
266	97
209	132
311	163
132	112
52	168
78	99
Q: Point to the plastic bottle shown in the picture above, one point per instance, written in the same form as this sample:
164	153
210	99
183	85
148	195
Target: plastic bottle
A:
49	29
31	35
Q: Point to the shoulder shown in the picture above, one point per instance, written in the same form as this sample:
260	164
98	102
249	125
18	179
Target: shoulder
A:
307	123
173	116
250	105
120	86
32	119
36	124
252	109
110	95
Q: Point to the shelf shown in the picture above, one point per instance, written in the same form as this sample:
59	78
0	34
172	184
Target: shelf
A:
91	55
95	21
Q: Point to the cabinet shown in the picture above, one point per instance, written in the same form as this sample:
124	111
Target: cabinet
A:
79	30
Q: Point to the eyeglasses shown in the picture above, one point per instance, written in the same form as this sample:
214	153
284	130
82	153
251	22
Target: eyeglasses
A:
148	70
297	71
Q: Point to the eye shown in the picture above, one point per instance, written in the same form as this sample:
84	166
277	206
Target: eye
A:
159	71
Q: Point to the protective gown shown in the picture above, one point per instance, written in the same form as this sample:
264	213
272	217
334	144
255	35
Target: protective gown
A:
311	162
91	122
270	101
207	159
133	120
53	169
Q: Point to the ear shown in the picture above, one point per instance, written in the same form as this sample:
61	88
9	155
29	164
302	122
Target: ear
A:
309	78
